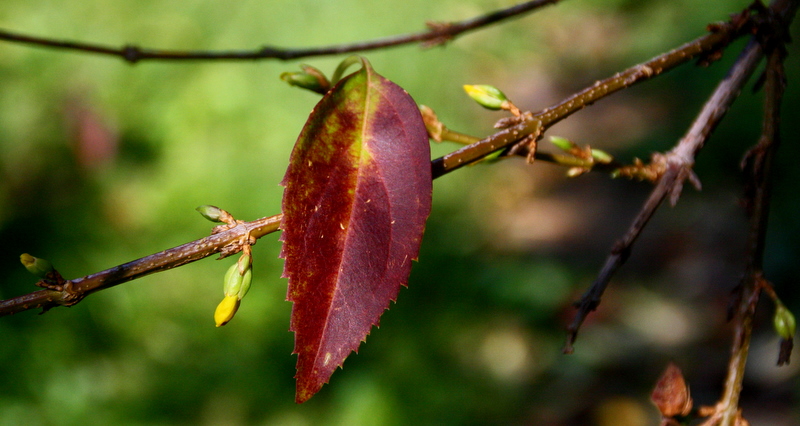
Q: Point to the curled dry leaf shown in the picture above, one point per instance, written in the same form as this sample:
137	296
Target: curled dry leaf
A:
671	394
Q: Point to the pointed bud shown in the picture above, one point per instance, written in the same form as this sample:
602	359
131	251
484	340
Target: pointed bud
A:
576	171
310	79
247	278
212	213
232	281
784	322
601	156
244	263
563	144
226	310
487	96
36	266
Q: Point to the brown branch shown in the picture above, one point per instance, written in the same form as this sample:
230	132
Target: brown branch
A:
531	123
677	166
227	241
759	163
437	34
705	47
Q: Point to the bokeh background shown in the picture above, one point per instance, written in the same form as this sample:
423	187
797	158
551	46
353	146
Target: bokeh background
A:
102	162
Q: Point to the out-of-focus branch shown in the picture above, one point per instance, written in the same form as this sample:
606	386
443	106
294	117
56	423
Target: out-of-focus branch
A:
438	33
677	166
758	167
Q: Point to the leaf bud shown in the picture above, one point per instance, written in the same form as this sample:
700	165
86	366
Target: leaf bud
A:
233	281
576	171
784	322
226	310
247	278
35	265
487	96
310	79
601	156
238	278
211	213
562	143
244	263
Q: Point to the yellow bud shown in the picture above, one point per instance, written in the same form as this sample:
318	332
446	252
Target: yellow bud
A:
226	310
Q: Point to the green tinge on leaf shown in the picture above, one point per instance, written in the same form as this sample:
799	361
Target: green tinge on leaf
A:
358	192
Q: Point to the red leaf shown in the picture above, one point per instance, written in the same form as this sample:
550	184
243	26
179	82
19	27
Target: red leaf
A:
358	192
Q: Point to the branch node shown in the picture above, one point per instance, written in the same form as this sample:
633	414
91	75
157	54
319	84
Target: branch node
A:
132	54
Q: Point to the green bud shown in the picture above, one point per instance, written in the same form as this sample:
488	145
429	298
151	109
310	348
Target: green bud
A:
211	213
576	171
784	322
232	281
562	143
236	286
36	266
247	278
238	278
487	96
602	156
244	263
310	78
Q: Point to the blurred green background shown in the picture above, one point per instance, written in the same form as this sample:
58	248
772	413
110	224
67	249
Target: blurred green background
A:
102	162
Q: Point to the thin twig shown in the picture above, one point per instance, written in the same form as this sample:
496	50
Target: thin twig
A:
758	162
437	34
227	242
532	123
678	165
703	47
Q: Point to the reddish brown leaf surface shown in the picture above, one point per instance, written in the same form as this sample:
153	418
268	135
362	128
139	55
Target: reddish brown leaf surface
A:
671	394
358	192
